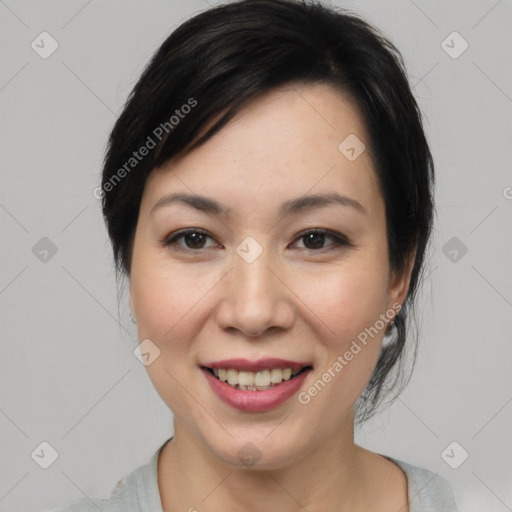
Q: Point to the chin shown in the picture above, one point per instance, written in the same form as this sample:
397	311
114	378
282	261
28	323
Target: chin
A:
256	448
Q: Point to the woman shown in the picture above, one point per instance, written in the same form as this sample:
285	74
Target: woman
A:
268	193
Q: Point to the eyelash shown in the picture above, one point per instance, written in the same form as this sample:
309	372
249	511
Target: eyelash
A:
339	239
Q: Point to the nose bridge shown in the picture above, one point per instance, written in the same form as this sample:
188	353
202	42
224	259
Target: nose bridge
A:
252	279
256	299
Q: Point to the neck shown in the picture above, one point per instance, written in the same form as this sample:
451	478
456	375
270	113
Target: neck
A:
191	477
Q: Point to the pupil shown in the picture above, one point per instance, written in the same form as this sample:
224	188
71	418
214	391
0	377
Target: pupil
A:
317	240
197	239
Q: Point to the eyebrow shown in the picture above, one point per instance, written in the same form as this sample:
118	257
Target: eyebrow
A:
300	204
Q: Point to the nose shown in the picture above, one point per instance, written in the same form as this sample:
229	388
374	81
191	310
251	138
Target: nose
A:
256	298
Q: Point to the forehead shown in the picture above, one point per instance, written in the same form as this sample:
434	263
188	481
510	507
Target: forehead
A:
286	141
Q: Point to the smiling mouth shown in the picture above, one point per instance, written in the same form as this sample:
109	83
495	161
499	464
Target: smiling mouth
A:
256	381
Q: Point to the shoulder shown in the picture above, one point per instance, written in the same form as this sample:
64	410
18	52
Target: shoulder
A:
428	491
136	491
122	498
92	505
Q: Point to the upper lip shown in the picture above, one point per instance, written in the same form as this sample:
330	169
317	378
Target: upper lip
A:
256	366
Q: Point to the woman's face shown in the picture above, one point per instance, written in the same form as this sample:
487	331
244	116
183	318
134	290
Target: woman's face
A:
260	284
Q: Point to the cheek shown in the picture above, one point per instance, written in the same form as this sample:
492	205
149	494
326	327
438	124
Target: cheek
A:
346	300
348	303
166	305
171	304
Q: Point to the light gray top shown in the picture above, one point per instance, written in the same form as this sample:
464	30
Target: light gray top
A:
138	491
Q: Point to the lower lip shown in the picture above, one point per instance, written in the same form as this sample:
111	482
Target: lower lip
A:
255	401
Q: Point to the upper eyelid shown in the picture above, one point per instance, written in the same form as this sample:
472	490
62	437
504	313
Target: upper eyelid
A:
322	231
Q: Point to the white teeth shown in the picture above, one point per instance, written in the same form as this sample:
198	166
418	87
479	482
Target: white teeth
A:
287	373
276	376
246	378
262	378
232	377
252	381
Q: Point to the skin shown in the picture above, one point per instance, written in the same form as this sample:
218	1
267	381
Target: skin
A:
297	301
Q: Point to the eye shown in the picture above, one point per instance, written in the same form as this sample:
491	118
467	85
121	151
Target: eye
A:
193	238
314	239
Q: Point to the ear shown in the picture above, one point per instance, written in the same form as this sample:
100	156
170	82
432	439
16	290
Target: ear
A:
399	281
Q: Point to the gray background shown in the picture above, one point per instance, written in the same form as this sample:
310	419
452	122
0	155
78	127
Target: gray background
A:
68	374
